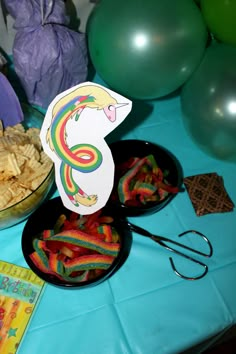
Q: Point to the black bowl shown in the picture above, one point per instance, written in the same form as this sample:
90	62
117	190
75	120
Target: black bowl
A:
123	150
45	217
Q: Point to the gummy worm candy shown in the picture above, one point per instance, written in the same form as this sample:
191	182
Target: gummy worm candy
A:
123	187
57	266
87	262
107	231
72	254
79	238
40	255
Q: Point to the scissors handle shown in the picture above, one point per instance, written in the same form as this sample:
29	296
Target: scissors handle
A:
163	241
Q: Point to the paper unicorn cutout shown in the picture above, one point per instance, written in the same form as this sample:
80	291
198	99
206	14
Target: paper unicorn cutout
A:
73	132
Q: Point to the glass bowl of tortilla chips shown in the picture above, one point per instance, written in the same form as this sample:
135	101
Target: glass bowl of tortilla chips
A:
26	172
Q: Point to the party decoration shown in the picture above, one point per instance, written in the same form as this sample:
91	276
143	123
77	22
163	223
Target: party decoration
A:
3	62
149	48
72	135
10	108
220	17
208	103
48	56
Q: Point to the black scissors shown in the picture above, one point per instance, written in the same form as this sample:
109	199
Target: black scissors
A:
162	241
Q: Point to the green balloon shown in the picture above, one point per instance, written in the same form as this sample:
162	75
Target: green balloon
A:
220	17
208	102
146	49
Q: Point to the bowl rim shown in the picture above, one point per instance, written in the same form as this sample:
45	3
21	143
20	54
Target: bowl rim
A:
29	195
126	237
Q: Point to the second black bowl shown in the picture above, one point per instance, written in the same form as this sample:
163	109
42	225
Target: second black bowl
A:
123	150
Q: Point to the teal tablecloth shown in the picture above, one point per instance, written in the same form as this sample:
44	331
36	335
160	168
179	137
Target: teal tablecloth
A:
145	308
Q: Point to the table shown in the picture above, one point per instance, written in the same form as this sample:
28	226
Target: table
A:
145	308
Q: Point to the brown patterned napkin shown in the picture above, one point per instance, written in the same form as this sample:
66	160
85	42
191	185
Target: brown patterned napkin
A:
208	194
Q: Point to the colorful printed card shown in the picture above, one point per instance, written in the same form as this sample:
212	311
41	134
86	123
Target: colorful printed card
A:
72	135
20	291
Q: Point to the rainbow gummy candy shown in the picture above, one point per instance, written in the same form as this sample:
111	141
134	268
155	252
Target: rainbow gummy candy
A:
143	183
150	159
47	233
124	184
39	246
88	262
79	278
80	238
75	265
40	260
55	264
36	259
107	231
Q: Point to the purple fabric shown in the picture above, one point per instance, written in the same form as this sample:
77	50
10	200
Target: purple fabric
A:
10	109
48	57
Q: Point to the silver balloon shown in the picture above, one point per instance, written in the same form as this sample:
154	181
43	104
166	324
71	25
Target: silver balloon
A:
208	102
